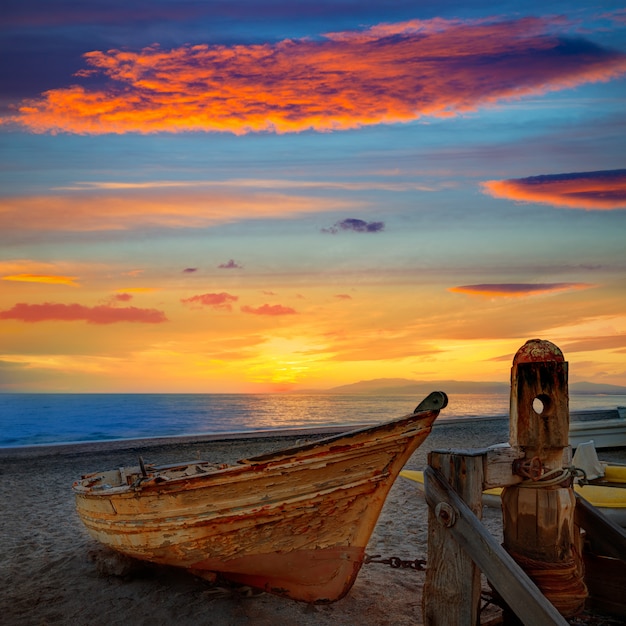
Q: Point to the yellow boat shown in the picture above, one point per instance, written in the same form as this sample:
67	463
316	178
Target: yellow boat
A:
608	494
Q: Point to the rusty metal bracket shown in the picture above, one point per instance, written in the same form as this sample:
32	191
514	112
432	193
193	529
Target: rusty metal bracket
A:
531	469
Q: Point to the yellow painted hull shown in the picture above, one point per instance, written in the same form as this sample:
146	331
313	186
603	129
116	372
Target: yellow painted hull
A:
610	500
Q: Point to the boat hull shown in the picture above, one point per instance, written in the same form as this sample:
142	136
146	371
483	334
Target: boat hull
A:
294	523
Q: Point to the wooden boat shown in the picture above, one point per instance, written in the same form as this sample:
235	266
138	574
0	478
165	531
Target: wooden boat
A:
607	494
294	522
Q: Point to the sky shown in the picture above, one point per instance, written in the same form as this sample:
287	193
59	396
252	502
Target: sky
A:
229	196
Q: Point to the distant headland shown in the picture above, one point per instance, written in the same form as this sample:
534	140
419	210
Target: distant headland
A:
400	386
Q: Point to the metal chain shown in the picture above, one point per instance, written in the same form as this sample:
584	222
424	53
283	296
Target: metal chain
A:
396	562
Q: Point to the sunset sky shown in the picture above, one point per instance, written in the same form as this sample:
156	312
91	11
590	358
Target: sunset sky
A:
249	196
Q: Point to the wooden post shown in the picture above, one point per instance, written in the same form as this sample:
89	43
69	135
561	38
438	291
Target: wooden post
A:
511	582
538	514
452	586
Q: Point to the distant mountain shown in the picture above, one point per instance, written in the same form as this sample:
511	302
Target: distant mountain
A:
597	389
401	386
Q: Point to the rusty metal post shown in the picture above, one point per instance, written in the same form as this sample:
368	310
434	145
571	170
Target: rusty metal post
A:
538	514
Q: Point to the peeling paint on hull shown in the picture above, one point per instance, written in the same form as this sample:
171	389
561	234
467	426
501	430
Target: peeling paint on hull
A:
293	523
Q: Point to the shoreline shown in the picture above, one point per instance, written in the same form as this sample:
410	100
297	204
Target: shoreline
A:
103	445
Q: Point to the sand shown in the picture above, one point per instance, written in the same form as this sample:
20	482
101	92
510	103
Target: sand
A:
51	572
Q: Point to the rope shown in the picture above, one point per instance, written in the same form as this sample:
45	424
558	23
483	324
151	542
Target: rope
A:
562	583
536	478
550	479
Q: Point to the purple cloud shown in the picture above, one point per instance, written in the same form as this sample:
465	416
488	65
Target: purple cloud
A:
269	309
504	290
214	300
230	265
600	191
355	225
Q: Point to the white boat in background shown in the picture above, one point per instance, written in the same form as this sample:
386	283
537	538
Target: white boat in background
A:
607	429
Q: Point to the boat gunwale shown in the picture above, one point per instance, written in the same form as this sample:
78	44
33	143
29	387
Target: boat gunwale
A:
285	459
390	425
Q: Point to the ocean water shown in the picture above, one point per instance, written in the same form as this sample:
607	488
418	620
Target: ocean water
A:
33	419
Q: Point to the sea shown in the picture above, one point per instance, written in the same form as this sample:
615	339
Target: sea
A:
43	419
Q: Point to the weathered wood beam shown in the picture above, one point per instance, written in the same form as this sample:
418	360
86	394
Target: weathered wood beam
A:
498	467
452	585
506	576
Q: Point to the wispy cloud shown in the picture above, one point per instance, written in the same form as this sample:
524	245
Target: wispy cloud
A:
386	74
589	344
128	290
256	183
378	345
355	225
269	309
213	300
120	210
230	265
518	290
43	278
190	270
104	314
603	190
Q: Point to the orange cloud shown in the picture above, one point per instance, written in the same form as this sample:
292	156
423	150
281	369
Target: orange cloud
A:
378	345
43	278
269	309
77	312
603	190
213	300
588	344
386	74
130	290
518	290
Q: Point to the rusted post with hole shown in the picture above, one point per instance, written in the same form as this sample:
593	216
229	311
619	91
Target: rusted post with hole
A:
538	513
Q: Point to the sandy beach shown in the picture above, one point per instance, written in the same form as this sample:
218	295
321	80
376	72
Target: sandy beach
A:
51	572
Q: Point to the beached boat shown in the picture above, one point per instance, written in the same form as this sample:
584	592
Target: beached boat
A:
294	522
606	493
